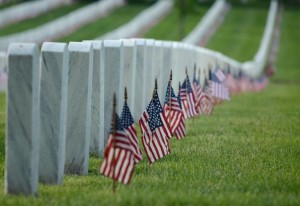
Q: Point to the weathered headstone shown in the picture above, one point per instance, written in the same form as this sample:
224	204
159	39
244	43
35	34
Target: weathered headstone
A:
96	143
140	83
79	107
23	119
110	76
54	88
128	73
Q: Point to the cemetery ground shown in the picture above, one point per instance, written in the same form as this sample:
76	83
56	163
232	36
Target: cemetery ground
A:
247	152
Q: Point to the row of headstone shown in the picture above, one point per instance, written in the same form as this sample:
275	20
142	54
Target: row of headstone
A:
60	101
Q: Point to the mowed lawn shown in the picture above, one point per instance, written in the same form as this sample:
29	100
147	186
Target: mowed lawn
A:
101	26
168	28
40	19
246	153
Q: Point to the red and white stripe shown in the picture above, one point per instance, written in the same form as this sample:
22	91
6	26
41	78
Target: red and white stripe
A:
156	143
131	131
119	161
173	114
180	131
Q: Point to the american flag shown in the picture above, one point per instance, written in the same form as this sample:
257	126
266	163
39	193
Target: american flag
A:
198	93
218	89
155	131
173	114
128	123
180	131
119	161
188	99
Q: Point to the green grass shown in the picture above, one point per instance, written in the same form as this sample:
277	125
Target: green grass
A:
243	25
168	28
8	4
246	153
287	64
40	20
103	25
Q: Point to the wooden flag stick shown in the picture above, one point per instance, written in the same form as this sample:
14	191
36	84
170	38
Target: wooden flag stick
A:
186	96
125	94
195	70
114	140
170	96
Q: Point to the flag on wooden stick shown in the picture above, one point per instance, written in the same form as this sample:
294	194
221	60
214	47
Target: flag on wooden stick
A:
188	99
172	109
155	130
128	123
119	161
180	131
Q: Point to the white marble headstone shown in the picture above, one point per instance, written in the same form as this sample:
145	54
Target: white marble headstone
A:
110	76
96	143
140	82
23	119
54	93
167	66
79	107
128	71
149	71
158	68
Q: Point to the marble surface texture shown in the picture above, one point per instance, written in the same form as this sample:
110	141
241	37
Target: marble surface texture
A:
140	82
128	69
167	66
158	68
110	77
54	88
148	71
79	107
96	143
23	118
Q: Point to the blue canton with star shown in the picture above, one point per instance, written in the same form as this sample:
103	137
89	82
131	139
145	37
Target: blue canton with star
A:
126	117
214	78
119	125
153	110
168	94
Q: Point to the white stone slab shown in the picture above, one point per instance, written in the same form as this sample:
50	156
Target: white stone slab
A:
158	68
96	143
110	76
23	118
79	107
167	66
149	73
140	83
54	93
128	68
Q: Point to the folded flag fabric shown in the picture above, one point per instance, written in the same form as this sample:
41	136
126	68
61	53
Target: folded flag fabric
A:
172	109
119	161
155	131
128	124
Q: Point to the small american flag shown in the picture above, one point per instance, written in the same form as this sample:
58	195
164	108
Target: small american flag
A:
180	131
155	131
175	115
198	93
128	123
188	99
119	161
218	88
